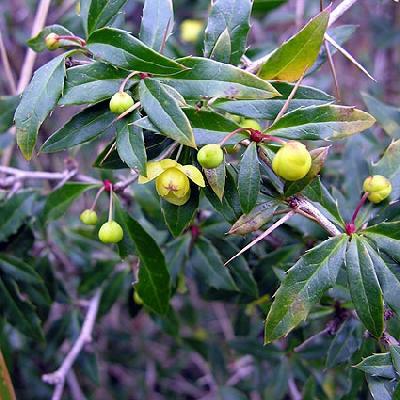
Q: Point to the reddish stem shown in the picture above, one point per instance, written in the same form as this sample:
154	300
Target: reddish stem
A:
107	185
351	226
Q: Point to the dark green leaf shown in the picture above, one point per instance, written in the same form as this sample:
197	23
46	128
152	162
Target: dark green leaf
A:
96	14
154	282
222	49
14	212
19	312
364	286
92	83
38	100
37	43
387	237
94	277
395	355
378	365
208	78
208	266
318	193
296	55
304	285
157	23
178	218
111	292
19	271
124	50
388	280
346	342
164	112
249	178
386	115
130	143
81	128
58	201
321	122
305	96
232	19
381	389
208	127
8	105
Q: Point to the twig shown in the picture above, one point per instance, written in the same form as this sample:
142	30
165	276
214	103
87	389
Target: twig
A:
290	97
74	387
12	84
348	56
303	204
30	57
278	223
340	10
333	70
58	377
20	174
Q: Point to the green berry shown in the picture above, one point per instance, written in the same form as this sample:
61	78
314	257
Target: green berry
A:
111	232
292	161
121	102
210	156
88	217
251	123
52	41
378	188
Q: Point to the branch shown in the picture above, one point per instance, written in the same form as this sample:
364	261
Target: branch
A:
340	10
7	68
58	377
278	223
27	68
303	204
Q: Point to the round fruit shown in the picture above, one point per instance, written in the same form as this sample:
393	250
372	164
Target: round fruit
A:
251	123
172	181
210	156
292	161
121	102
378	188
88	217
111	232
191	30
52	41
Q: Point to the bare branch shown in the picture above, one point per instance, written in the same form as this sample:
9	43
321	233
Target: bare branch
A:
58	377
340	10
278	223
10	80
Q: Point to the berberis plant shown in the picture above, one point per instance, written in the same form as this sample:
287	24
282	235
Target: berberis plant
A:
219	180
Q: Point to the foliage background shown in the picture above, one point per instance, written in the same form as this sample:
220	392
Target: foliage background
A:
204	349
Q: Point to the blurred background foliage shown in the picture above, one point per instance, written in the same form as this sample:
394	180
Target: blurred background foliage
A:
209	345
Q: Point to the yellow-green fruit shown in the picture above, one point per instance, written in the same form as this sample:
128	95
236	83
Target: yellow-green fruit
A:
120	102
378	188
190	30
172	181
88	217
210	156
52	41
251	123
111	232
292	161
